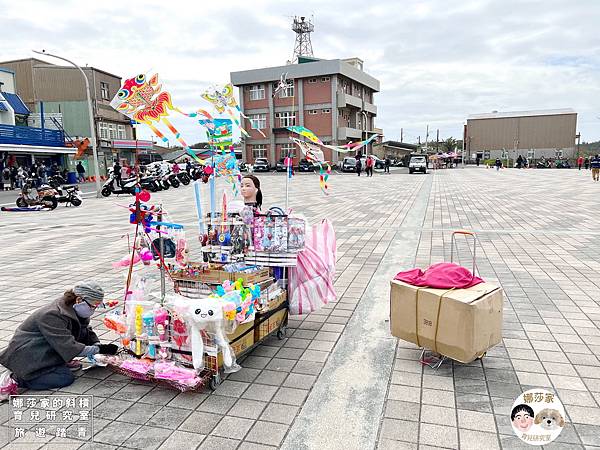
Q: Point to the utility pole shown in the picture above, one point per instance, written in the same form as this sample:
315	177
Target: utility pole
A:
401	134
437	140
578	136
419	140
426	138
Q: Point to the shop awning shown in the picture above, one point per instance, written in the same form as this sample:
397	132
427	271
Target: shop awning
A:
2	106
16	103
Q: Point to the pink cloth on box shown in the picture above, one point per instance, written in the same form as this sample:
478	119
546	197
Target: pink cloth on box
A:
440	276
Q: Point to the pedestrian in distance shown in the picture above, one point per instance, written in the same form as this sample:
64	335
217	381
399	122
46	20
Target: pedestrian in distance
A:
498	164
595	165
117	172
369	162
80	172
519	162
580	162
586	163
6	179
358	165
387	165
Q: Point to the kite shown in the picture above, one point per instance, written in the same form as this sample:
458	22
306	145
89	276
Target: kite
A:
282	84
144	101
305	132
315	155
82	146
224	101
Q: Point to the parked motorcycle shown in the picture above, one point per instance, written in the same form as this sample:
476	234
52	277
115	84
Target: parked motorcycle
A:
44	196
184	178
110	186
70	194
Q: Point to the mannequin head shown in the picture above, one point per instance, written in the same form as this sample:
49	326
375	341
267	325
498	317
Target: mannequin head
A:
251	190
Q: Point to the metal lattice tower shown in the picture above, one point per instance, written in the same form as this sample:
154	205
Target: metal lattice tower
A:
303	46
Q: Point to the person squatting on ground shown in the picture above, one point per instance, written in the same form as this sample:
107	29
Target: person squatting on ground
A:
41	351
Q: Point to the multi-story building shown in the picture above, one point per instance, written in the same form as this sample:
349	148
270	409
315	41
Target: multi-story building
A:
20	144
59	92
549	133
333	98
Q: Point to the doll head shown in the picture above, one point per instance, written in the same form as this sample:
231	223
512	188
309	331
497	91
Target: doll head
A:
251	190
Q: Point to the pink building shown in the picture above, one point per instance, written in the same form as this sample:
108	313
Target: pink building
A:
333	98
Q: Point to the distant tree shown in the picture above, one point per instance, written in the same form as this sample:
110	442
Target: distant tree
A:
449	145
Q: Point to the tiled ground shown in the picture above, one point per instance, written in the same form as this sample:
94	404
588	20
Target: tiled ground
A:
539	239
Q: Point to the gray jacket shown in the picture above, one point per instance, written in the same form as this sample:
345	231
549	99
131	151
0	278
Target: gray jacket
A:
52	336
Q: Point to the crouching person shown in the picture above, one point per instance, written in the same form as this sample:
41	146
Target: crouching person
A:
41	351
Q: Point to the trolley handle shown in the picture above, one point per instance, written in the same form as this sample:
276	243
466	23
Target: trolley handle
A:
465	233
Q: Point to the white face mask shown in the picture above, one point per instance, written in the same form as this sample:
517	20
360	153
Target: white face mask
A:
83	310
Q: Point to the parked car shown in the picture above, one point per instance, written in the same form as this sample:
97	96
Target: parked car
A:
349	164
305	166
262	165
398	163
281	167
418	163
379	163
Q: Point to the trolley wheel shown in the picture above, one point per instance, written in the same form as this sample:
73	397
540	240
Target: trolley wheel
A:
482	355
214	382
281	332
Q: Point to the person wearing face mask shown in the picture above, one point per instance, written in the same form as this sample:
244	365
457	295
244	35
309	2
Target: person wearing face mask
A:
43	346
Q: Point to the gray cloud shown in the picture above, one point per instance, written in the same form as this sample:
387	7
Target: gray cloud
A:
437	60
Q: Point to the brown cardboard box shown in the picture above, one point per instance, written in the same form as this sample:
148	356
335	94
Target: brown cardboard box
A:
241	344
470	320
273	322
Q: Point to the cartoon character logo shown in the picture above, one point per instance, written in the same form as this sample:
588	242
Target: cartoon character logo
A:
549	419
522	417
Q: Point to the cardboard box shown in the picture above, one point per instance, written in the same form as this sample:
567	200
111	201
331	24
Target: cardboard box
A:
242	344
273	322
461	324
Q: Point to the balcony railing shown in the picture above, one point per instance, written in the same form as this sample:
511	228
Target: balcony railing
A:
10	134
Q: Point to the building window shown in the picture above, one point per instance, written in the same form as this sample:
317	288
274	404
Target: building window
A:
325	79
312	80
259	151
103	127
288	150
121	133
312	112
104	93
258	121
326	111
112	131
257	92
288	91
286	119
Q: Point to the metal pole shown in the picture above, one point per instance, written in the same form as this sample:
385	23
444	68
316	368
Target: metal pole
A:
91	117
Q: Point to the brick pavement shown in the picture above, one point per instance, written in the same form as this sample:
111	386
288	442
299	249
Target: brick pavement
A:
538	240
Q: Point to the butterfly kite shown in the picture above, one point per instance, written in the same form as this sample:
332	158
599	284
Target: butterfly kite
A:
224	101
282	84
144	101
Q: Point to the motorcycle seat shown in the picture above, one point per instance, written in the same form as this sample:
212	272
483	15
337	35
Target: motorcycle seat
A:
65	186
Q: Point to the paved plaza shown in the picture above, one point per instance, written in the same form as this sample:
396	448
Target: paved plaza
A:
340	380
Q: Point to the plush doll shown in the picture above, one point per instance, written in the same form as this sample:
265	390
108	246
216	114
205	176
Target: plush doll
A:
207	314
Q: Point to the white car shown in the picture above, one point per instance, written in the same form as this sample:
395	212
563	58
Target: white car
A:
417	163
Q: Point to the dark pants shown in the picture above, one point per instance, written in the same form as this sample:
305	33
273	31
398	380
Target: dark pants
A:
369	171
60	376
387	169
358	170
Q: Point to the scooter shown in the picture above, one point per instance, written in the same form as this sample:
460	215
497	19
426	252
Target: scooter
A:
184	178
70	195
173	179
44	196
110	186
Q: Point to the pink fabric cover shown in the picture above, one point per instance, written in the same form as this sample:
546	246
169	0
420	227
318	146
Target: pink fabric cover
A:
440	276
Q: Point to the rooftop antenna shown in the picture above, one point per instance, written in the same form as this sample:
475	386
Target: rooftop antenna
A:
303	46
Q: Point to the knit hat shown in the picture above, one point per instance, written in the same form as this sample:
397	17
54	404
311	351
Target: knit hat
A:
89	291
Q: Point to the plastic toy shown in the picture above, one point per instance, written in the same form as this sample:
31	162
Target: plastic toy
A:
148	323
138	329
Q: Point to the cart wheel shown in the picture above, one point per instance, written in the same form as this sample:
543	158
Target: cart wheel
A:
281	332
214	382
482	355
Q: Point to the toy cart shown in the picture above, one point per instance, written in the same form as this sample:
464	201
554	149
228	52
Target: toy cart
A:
427	357
273	321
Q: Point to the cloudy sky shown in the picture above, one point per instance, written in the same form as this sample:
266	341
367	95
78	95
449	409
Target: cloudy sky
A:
438	60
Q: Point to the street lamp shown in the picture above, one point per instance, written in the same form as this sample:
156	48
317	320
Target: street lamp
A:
90	113
366	130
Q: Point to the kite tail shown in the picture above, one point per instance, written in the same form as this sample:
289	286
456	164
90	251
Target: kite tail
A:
181	141
237	122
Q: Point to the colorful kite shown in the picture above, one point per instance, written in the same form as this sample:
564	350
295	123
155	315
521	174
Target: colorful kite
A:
314	154
305	132
224	101
145	102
